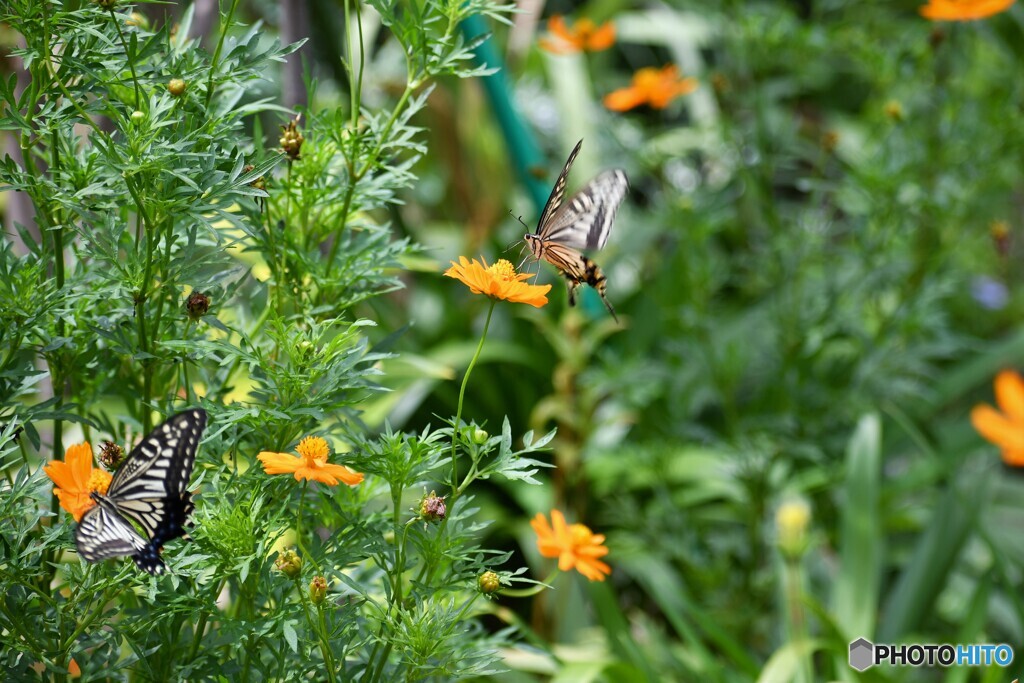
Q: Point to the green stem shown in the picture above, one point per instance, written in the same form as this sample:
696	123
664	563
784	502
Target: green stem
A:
298	527
462	394
216	52
128	57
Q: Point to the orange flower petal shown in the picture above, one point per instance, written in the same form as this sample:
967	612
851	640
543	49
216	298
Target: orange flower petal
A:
963	10
279	463
1013	457
1009	387
996	428
602	38
624	99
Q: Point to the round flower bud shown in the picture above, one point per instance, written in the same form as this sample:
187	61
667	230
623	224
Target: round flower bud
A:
488	582
111	455
197	305
288	563
138	117
317	590
176	86
480	436
791	522
432	508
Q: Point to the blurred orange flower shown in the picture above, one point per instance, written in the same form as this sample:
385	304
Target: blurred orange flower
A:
575	546
653	87
1005	429
963	10
311	463
75	478
584	35
499	281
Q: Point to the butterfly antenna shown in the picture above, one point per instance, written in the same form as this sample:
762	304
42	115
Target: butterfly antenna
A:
520	219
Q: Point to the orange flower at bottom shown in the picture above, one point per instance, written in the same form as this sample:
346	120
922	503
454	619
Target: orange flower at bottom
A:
584	35
1004	429
75	478
963	10
499	281
651	86
311	464
575	546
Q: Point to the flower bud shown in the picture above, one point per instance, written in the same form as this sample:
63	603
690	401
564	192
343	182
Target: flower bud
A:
488	582
480	436
291	139
138	117
111	455
260	183
138	20
791	522
105	4
432	508
894	110
197	305
176	86
288	563
317	590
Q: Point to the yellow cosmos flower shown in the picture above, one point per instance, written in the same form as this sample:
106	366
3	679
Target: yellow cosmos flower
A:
75	478
963	10
499	281
575	546
653	87
1005	429
583	36
311	464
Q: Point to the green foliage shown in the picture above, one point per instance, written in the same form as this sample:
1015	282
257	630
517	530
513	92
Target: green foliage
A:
815	270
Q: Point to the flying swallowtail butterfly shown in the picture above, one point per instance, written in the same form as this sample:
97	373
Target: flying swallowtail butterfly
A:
583	223
149	489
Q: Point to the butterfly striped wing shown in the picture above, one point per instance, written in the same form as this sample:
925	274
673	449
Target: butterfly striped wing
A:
149	489
585	222
103	534
558	191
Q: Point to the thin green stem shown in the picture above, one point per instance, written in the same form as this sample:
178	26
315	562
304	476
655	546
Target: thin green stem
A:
462	395
128	57
216	53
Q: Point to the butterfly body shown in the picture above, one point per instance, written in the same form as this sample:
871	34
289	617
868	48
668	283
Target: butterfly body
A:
149	490
584	222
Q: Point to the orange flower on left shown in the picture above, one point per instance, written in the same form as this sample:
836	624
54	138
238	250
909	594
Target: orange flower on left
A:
75	478
584	35
1005	429
311	464
575	545
499	281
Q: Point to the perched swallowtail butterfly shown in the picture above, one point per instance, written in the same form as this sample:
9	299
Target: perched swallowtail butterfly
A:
583	223
149	489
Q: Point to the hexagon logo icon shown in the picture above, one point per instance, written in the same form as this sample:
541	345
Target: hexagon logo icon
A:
862	654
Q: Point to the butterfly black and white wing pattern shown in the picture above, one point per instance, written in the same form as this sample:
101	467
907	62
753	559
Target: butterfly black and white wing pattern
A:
149	490
584	222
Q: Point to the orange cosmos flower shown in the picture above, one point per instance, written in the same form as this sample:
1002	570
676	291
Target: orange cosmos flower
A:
575	546
963	10
499	281
1004	429
584	35
75	478
311	464
653	87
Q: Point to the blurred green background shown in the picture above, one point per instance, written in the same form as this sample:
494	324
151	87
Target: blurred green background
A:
816	269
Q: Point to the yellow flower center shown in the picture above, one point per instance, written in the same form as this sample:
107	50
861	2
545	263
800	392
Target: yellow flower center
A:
503	270
314	449
580	535
99	481
584	28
